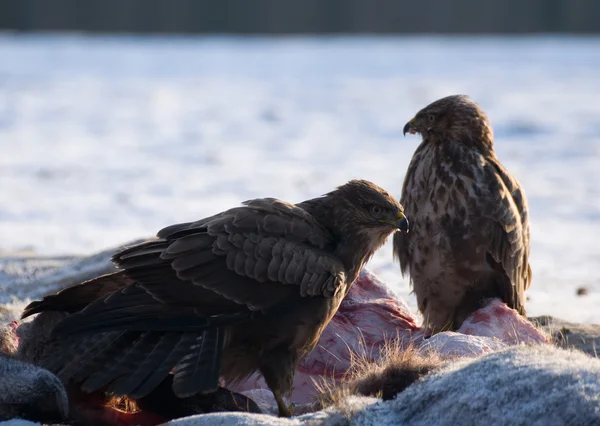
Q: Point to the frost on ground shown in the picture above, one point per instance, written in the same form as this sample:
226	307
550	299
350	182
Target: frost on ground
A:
109	139
523	385
29	391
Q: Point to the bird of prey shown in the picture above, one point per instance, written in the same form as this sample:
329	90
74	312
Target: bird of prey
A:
248	289
469	238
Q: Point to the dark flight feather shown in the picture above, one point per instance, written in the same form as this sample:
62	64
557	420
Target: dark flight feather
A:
247	289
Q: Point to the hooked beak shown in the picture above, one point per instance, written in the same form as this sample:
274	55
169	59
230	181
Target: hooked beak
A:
401	222
410	128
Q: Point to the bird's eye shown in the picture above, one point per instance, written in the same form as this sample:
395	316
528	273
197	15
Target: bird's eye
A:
376	210
431	117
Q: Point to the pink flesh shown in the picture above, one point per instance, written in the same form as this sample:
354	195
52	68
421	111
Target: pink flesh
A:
371	315
91	408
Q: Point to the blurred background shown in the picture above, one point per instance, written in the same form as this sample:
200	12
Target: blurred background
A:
307	16
122	116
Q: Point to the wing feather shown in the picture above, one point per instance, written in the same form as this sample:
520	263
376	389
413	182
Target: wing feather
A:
180	291
153	379
134	353
509	236
126	384
461	199
401	240
267	240
75	298
199	370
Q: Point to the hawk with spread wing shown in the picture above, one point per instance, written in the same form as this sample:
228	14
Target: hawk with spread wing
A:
469	237
248	289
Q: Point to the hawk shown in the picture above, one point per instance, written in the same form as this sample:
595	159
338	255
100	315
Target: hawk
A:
249	289
469	238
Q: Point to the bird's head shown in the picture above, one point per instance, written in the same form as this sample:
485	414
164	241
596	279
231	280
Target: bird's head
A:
453	118
361	204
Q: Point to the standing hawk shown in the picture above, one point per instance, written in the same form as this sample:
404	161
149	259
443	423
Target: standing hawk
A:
248	289
469	237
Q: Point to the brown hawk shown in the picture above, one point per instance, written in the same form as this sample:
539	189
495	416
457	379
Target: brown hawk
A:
469	237
248	289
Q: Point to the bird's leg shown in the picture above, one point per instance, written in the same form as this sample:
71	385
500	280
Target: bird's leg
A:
283	409
278	367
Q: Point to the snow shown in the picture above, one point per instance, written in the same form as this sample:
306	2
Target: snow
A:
494	389
107	139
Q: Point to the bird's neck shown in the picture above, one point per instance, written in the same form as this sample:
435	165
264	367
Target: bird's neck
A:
480	138
354	254
315	207
354	243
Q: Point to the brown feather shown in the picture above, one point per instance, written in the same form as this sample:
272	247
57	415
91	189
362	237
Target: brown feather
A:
248	289
74	298
127	383
469	238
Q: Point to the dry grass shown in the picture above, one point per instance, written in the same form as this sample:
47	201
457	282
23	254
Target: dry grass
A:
122	403
397	368
563	336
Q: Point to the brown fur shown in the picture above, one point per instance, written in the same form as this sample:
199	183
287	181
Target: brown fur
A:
396	370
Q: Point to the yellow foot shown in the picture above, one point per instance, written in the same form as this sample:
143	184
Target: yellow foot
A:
285	410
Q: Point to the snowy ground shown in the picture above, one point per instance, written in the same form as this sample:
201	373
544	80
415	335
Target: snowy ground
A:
104	140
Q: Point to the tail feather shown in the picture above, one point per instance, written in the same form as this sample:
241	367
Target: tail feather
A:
199	371
104	356
120	364
154	378
87	349
125	385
